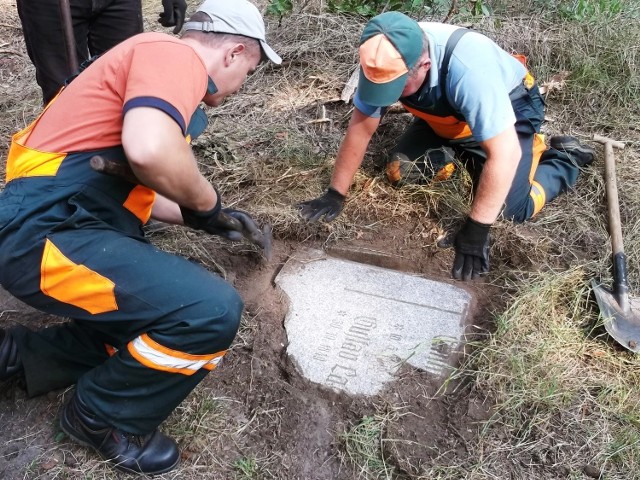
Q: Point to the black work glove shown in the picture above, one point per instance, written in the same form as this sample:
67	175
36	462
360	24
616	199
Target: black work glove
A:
227	223
330	205
250	229
215	221
174	12
472	250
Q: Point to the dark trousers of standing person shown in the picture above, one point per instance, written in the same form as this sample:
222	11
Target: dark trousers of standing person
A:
542	174
98	25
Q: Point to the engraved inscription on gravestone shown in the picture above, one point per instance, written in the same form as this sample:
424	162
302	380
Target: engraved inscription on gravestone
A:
351	326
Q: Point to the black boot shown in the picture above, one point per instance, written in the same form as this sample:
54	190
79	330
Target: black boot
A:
581	154
149	454
10	363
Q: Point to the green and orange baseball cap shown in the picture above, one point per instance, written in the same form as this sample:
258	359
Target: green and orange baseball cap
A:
390	46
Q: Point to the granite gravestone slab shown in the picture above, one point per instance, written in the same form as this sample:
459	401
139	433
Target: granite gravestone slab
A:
351	326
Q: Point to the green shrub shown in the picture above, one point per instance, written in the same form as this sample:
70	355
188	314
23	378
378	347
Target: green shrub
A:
370	8
279	7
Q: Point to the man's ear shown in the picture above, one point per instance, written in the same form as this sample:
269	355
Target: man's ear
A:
233	51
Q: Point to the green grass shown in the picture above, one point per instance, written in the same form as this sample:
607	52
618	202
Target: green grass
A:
553	381
246	469
363	446
199	417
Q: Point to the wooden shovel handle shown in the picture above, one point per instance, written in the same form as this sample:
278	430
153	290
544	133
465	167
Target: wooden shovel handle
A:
605	140
621	284
611	188
114	168
69	38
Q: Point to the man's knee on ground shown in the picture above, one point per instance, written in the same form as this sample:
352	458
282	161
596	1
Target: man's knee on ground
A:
209	319
224	318
230	323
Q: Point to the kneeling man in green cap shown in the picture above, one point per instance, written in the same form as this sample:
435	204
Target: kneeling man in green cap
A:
469	97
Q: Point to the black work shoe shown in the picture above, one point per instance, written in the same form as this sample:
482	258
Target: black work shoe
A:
10	363
149	454
581	154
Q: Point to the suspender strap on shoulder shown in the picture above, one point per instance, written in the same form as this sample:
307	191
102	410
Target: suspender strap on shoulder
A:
448	50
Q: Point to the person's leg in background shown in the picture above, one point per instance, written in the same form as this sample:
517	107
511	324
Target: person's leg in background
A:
97	26
113	22
45	41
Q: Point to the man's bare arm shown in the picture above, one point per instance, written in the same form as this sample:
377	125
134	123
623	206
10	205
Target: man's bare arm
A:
162	159
166	210
351	152
503	156
472	240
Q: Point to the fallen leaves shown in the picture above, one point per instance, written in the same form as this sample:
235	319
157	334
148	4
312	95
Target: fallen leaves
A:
556	83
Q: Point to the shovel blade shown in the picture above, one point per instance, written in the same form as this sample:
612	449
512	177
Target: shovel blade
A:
624	327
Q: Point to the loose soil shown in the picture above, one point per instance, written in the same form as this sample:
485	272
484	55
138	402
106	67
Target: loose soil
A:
280	415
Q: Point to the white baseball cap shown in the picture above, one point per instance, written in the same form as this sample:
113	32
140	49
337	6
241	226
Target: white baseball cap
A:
238	17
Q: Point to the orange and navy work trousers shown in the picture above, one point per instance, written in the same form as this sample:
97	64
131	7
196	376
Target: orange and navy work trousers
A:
543	173
146	326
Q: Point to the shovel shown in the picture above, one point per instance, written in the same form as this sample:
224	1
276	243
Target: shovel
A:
620	312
